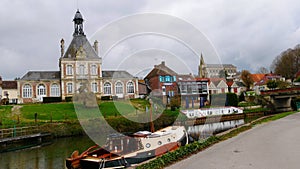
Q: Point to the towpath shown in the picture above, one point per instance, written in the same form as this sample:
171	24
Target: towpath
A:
274	145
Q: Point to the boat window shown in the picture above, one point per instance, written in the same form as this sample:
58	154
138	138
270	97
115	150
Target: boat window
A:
169	140
148	145
159	142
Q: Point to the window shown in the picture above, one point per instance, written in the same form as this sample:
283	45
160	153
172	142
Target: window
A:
161	78
194	88
94	87
41	90
69	70
130	87
70	88
81	69
27	91
183	88
168	78
94	70
119	88
54	90
107	88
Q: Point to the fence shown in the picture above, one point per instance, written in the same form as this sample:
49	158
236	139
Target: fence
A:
18	131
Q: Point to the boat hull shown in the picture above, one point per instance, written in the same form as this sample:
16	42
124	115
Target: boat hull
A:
127	160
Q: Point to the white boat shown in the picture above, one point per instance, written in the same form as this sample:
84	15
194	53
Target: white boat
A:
204	112
123	151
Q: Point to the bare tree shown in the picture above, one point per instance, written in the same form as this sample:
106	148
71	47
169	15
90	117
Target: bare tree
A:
287	63
263	70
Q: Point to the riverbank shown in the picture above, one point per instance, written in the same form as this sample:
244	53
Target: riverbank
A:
197	146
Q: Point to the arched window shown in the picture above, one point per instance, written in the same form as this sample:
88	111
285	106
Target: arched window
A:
70	88
94	70
107	88
94	87
54	90
119	88
41	90
130	87
27	91
69	70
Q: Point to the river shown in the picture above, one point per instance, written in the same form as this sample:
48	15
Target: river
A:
53	155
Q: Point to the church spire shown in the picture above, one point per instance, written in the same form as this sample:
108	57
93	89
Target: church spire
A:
78	24
201	71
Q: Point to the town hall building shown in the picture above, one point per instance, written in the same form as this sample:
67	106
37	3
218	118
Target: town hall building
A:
80	66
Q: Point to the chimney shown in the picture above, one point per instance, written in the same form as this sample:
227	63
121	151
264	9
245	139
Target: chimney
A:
163	63
96	47
62	47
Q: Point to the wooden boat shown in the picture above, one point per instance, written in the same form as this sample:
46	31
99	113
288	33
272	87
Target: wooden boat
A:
123	151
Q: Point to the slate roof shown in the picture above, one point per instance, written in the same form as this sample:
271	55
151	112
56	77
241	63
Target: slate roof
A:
220	66
41	75
116	74
77	42
9	85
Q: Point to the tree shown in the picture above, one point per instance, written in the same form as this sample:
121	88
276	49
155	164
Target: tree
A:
272	84
246	78
262	70
231	99
282	84
287	64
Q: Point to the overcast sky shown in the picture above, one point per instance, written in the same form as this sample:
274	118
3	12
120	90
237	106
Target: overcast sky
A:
248	34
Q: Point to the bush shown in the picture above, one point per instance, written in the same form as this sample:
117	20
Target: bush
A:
105	97
231	99
69	99
51	99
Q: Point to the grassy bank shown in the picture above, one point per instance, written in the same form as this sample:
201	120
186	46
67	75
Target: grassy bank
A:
61	119
195	147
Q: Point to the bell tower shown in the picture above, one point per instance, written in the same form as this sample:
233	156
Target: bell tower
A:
78	24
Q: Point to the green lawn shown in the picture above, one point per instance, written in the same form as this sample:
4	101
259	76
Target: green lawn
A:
66	111
58	112
113	111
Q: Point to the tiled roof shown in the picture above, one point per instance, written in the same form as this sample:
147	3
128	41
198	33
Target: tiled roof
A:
41	75
216	81
9	85
257	77
160	69
116	74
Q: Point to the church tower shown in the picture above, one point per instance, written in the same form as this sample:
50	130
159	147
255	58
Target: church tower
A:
202	68
80	65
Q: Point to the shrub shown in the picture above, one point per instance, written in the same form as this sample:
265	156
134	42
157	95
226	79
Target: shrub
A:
69	99
51	99
231	99
105	97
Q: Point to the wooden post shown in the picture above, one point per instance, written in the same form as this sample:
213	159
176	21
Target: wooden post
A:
35	117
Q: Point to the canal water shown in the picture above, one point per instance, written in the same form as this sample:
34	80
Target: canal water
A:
53	155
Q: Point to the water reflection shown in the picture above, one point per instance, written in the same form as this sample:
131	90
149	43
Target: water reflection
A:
47	157
53	156
206	130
